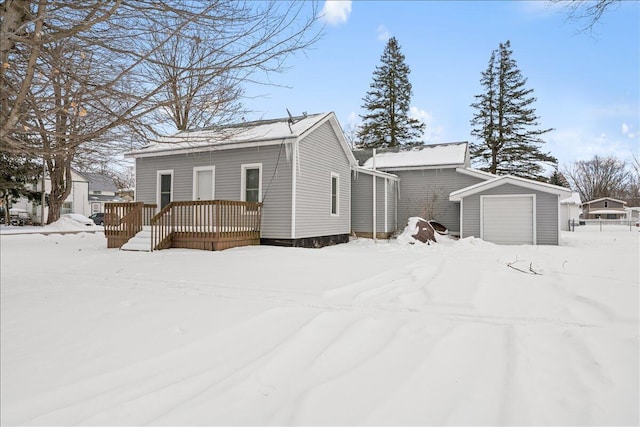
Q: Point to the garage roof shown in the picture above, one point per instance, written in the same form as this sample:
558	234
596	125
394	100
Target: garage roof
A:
456	196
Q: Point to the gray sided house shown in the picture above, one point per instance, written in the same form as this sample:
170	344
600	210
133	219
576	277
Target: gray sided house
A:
604	208
299	168
511	210
428	174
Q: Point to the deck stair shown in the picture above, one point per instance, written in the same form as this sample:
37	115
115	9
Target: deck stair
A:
140	242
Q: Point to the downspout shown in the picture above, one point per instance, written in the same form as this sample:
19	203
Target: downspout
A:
386	185
374	196
294	167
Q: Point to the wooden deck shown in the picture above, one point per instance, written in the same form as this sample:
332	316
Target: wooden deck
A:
204	224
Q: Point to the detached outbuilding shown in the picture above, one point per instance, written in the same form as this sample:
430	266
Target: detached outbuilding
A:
511	210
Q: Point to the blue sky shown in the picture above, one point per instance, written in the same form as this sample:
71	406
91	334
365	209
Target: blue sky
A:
587	83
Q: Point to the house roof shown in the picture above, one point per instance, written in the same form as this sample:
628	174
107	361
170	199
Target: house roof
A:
458	195
100	182
256	133
605	198
574	199
449	154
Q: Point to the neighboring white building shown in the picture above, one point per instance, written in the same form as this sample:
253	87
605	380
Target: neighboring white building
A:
89	192
633	213
570	209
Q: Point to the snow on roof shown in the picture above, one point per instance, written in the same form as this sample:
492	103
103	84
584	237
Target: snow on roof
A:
605	198
100	182
426	155
574	199
456	196
248	132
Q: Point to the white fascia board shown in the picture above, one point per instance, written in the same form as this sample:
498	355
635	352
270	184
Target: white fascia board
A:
220	147
519	182
413	168
476	173
360	169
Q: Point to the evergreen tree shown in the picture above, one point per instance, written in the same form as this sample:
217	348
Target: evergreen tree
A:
386	122
505	123
557	178
17	172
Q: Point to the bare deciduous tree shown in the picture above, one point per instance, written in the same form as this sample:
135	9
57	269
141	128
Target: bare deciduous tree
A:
598	177
77	80
587	11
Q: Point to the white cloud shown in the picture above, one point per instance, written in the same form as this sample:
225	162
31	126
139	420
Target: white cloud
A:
383	33
432	133
353	119
336	12
573	144
627	130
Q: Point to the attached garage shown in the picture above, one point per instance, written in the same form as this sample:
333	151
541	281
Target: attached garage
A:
512	211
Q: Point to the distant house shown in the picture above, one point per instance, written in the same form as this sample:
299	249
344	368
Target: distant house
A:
102	189
299	168
76	202
604	208
570	210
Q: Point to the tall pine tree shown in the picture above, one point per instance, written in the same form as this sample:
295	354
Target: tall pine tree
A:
386	122
506	124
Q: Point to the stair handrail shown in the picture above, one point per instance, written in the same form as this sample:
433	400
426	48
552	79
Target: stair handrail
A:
132	221
161	228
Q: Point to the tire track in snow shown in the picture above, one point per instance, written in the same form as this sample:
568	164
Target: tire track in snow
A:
132	380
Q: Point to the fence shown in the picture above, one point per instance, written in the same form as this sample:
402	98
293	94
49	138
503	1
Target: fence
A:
606	224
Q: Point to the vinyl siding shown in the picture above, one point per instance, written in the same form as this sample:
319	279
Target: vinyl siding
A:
276	185
546	213
427	191
362	204
320	154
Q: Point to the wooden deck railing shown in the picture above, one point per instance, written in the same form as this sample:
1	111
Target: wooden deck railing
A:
206	224
123	220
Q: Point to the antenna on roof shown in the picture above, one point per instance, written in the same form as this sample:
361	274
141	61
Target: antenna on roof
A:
290	122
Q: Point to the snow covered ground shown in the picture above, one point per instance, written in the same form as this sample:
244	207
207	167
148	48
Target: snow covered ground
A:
360	333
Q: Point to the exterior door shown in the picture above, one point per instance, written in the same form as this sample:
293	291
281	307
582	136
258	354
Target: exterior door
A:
203	184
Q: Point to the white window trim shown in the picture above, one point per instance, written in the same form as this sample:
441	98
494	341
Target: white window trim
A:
195	180
158	174
243	180
337	177
489	196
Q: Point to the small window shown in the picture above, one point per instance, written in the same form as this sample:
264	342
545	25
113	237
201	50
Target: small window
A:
67	208
251	183
165	188
606	204
335	192
252	188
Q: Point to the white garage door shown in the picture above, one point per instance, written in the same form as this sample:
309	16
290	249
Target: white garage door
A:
508	220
